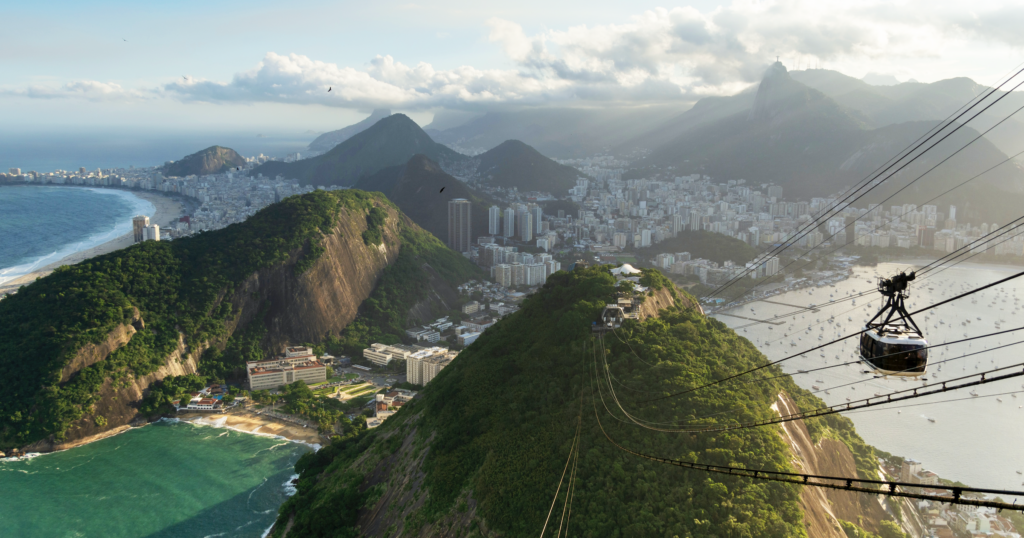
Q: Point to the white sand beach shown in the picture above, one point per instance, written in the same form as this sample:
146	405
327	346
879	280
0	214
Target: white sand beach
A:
166	211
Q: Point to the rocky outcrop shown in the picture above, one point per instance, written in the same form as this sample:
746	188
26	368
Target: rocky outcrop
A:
325	298
92	353
118	400
823	507
661	299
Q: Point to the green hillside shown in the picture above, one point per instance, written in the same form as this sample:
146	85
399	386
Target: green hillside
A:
212	160
389	142
482	452
515	164
179	286
416	190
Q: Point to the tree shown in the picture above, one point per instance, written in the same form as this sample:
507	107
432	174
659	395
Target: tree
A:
330	372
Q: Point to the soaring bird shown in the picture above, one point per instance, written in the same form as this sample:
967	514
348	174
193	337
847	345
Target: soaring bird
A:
329	89
440	191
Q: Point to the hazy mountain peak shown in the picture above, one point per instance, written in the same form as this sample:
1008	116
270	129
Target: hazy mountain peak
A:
328	141
775	86
880	79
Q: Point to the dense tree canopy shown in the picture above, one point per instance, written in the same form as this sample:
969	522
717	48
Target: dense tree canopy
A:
499	423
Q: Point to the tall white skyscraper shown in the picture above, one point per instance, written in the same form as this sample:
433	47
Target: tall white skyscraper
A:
459	225
494	220
526	227
536	213
952	212
510	222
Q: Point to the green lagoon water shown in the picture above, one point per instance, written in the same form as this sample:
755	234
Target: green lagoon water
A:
168	479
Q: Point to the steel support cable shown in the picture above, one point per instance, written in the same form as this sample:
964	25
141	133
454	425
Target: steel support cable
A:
964	356
833	482
921	273
877	376
991	236
891	219
1016	370
579	423
964	260
889	163
868	181
573	477
936	402
965	146
901	395
942	125
840	339
805	479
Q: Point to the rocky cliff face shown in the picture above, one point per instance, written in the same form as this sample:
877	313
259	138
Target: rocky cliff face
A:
294	308
325	298
824	507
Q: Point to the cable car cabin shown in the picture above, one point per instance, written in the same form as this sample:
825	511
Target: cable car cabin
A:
612	317
897	351
895	345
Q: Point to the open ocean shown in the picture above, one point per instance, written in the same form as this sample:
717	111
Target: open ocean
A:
40	225
167	479
976	440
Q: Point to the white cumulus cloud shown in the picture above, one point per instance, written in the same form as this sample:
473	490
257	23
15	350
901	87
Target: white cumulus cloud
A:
656	56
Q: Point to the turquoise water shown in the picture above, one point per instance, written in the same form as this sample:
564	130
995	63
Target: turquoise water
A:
39	225
167	479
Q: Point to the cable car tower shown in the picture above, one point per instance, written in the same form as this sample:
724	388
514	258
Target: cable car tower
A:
894	346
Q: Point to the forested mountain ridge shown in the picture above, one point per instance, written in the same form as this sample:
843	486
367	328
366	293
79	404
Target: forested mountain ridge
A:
98	332
481	451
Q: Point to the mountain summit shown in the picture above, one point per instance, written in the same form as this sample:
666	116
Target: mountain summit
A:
212	160
772	92
327	141
391	141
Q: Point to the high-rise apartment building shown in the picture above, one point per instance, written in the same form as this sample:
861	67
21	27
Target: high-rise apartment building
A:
494	220
459	225
536	213
526	226
510	222
139	225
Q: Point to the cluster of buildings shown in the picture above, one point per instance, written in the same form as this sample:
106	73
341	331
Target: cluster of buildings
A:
951	520
223	199
422	364
297	363
143	230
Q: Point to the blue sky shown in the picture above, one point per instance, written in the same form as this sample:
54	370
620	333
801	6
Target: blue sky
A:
266	65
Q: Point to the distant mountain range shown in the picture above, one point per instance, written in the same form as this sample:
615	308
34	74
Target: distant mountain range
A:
327	141
391	141
212	160
366	157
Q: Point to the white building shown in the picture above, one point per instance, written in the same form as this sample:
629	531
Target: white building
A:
421	367
298	363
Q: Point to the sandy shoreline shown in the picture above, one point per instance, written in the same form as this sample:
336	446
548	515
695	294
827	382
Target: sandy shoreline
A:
166	210
249	422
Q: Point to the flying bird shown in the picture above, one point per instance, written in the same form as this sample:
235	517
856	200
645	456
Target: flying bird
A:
440	191
184	77
329	89
125	40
